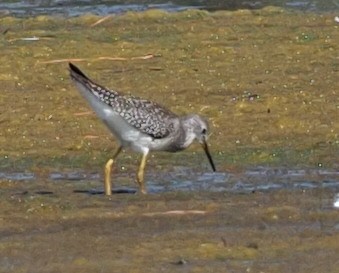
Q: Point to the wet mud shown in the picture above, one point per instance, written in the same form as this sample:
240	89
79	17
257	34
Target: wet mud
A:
49	227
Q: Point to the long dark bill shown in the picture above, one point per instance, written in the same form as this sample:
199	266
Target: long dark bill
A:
205	147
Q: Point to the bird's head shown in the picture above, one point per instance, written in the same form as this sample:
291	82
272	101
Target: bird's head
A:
198	126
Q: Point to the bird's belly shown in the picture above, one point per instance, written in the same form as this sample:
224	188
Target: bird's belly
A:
165	144
127	135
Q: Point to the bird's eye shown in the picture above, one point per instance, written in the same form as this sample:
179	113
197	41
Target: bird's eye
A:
203	131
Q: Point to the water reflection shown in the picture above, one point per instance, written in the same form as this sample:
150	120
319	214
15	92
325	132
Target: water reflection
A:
26	8
259	179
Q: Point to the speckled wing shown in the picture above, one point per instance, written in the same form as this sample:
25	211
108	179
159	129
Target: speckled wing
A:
148	117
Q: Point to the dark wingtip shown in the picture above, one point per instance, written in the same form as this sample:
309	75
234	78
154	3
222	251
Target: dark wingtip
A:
77	71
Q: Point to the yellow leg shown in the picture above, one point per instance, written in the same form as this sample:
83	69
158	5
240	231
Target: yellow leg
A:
140	175
108	171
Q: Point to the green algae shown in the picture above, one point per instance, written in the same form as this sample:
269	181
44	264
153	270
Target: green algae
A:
209	63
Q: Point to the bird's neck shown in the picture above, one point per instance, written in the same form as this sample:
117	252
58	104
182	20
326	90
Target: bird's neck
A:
189	135
188	140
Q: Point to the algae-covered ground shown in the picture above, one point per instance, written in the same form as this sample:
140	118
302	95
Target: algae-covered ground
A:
267	81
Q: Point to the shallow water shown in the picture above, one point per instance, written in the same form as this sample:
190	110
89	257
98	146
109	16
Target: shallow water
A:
26	8
183	179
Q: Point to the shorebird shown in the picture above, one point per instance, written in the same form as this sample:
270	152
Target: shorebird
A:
140	124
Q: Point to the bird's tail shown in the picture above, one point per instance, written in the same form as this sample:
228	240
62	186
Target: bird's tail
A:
86	85
77	74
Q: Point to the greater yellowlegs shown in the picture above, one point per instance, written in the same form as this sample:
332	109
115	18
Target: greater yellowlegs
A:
140	124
